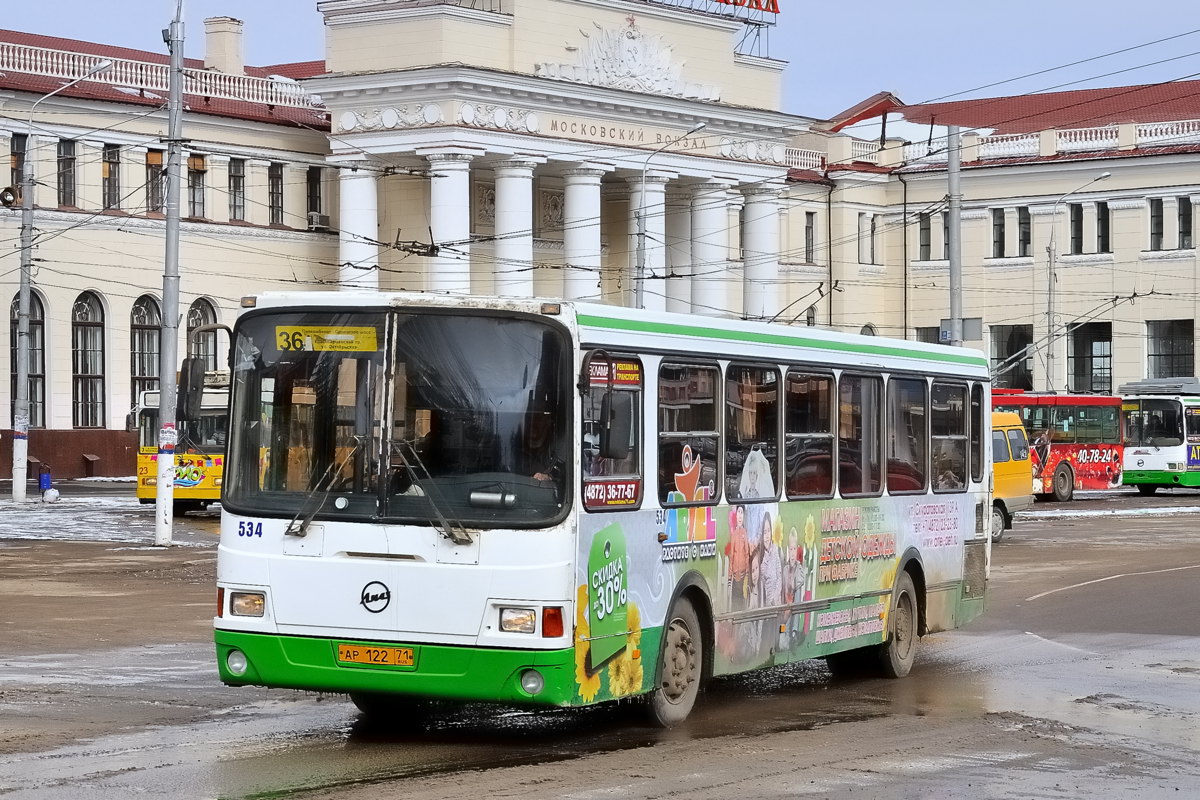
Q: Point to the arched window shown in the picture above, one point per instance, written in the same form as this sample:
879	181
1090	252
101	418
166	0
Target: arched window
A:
810	316
37	359
868	330
87	362
200	313
145	333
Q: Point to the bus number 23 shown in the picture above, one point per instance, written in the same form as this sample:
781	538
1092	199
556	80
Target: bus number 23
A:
250	529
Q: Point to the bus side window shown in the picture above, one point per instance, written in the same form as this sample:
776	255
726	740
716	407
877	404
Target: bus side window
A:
809	422
948	422
751	433
1020	445
612	467
908	439
1064	424
977	424
688	434
999	447
860	435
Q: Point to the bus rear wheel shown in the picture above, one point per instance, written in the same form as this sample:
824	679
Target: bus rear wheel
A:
897	654
894	658
1064	484
680	667
998	523
1146	490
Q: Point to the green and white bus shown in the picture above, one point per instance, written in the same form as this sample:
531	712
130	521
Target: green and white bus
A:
542	502
1162	433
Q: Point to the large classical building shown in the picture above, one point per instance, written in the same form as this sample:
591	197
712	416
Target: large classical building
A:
626	152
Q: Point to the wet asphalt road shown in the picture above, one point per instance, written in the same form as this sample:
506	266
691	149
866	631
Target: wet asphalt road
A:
1080	681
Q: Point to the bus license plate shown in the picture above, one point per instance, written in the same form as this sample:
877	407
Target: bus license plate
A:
376	656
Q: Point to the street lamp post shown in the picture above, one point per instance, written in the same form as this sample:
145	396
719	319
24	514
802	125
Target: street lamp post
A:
20	450
1051	257
640	276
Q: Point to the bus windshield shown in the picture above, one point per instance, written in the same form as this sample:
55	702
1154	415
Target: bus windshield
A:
1153	423
415	417
203	435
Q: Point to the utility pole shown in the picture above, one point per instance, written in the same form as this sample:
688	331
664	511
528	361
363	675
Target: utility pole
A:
954	234
164	505
20	450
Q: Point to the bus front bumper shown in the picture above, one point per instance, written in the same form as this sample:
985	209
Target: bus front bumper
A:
1156	477
440	671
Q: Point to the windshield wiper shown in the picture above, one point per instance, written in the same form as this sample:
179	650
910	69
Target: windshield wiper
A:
454	531
298	526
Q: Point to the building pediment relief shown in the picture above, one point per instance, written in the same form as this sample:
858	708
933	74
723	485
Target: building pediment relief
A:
626	58
390	118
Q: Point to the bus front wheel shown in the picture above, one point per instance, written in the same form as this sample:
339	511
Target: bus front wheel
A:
397	708
1064	484
680	667
897	654
1146	490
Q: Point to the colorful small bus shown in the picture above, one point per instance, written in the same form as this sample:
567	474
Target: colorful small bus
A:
1162	433
1075	438
556	503
199	453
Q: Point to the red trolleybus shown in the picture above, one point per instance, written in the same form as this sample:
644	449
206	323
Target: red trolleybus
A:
1076	439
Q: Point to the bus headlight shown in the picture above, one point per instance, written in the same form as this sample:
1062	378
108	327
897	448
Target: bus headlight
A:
236	662
531	681
518	620
247	604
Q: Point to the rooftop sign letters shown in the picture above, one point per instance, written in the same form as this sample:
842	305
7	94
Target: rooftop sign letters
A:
769	6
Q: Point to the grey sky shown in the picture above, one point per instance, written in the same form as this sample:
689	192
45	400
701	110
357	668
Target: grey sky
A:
839	54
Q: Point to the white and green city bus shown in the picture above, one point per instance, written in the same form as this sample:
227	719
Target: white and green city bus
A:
1162	433
559	503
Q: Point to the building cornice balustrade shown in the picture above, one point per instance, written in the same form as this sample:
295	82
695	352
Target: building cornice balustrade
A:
146	76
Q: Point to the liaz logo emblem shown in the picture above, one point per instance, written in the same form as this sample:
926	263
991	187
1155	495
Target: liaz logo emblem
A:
375	597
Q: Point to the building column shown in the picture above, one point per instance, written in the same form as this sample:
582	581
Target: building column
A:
647	246
450	220
679	250
710	247
760	252
581	233
514	228
358	227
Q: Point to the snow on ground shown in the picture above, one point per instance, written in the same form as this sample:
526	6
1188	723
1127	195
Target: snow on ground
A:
98	519
1067	511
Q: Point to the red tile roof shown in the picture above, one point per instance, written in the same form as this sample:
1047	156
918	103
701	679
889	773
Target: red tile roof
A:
301	69
1085	108
874	106
91	90
808	176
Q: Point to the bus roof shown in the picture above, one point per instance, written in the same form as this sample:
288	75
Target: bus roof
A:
1161	386
1006	398
621	327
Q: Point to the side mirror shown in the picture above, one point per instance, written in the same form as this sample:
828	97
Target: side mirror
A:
191	390
616	424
